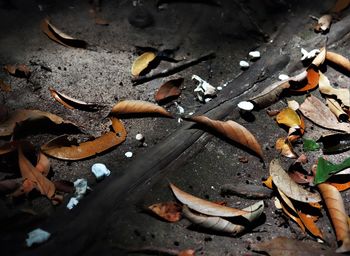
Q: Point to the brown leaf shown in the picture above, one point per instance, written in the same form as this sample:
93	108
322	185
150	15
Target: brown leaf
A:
168	91
20	70
338	215
20	115
59	37
130	107
170	211
325	87
337	110
43	165
309	223
340	5
188	252
283	182
292	247
301	178
285	148
233	131
204	206
62	148
324	23
312	79
313	109
339	60
4	86
320	58
142	62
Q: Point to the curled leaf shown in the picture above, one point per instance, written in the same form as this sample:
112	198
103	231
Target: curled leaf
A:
289	187
204	206
337	110
43	165
309	223
168	91
325	87
285	148
231	130
338	60
339	218
170	211
324	23
289	118
20	70
130	107
312	79
59	37
320	58
326	169
142	62
335	143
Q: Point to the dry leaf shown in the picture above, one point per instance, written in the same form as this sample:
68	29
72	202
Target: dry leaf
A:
268	182
325	87
336	109
169	91
188	252
71	103
339	60
309	223
324	23
340	5
312	79
313	109
301	178
170	211
285	148
320	58
231	130
43	165
341	183
204	206
20	115
289	118
283	182
130	107
65	149
59	37
142	62
4	86
339	217
20	70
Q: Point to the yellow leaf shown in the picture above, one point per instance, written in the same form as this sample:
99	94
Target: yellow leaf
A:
142	62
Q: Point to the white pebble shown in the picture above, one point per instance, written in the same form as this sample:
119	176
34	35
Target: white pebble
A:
246	105
244	64
73	201
219	88
37	236
254	54
283	77
128	154
139	137
100	170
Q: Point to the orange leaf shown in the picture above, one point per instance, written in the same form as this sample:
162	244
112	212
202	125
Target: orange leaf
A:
168	91
340	181
129	107
142	62
309	223
336	210
285	148
188	252
268	182
232	130
312	79
169	211
43	164
339	60
20	70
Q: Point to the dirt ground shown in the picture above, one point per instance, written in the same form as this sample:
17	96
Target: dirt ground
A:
278	29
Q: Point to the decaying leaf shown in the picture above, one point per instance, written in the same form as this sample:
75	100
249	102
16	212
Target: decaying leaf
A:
335	143
204	206
289	187
324	23
20	70
170	211
65	149
59	37
169	91
285	148
338	60
130	107
231	130
326	169
313	109
325	88
338	215
142	62
7	127
223	225
292	247
337	110
5	87
340	5
309	223
71	103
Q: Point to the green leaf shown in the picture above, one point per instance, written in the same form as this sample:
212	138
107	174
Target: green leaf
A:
310	145
326	169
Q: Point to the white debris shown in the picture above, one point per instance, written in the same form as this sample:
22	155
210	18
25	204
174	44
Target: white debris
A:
254	55
219	88
180	109
204	89
207	100
246	105
37	236
128	154
190	114
81	186
243	64
100	170
283	77
309	55
293	105
139	137
179	120
73	201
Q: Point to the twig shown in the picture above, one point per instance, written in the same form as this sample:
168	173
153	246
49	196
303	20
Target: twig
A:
172	70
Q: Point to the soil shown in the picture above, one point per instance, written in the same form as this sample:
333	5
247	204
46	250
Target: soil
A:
110	218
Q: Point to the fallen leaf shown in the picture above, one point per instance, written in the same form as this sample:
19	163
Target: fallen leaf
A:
340	181
309	223
320	58
289	187
59	37
312	80
337	110
289	118
340	5
268	182
170	211
20	70
130	107
188	252
142	62
7	127
301	178
232	131
169	91
310	145
71	103
326	169
204	206
313	109
43	165
324	23
4	86
325	88
223	225
335	143
338	60
292	247
338	215
284	147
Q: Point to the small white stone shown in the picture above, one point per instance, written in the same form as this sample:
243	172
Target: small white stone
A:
128	154
219	88
283	77
180	109
81	186
100	170
190	114
37	236
309	55
73	201
139	137
254	54
246	105
243	64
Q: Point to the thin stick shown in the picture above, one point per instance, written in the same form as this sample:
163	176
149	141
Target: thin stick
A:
172	70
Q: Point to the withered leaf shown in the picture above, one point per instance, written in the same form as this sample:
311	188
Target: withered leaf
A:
7	127
340	181
20	70
309	223
135	107
59	37
204	206
289	118
5	87
285	148
313	109
232	130
142	62
62	148
325	87
338	60
339	217
324	23
320	58
337	110
169	91
170	211
43	165
312	79
288	186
